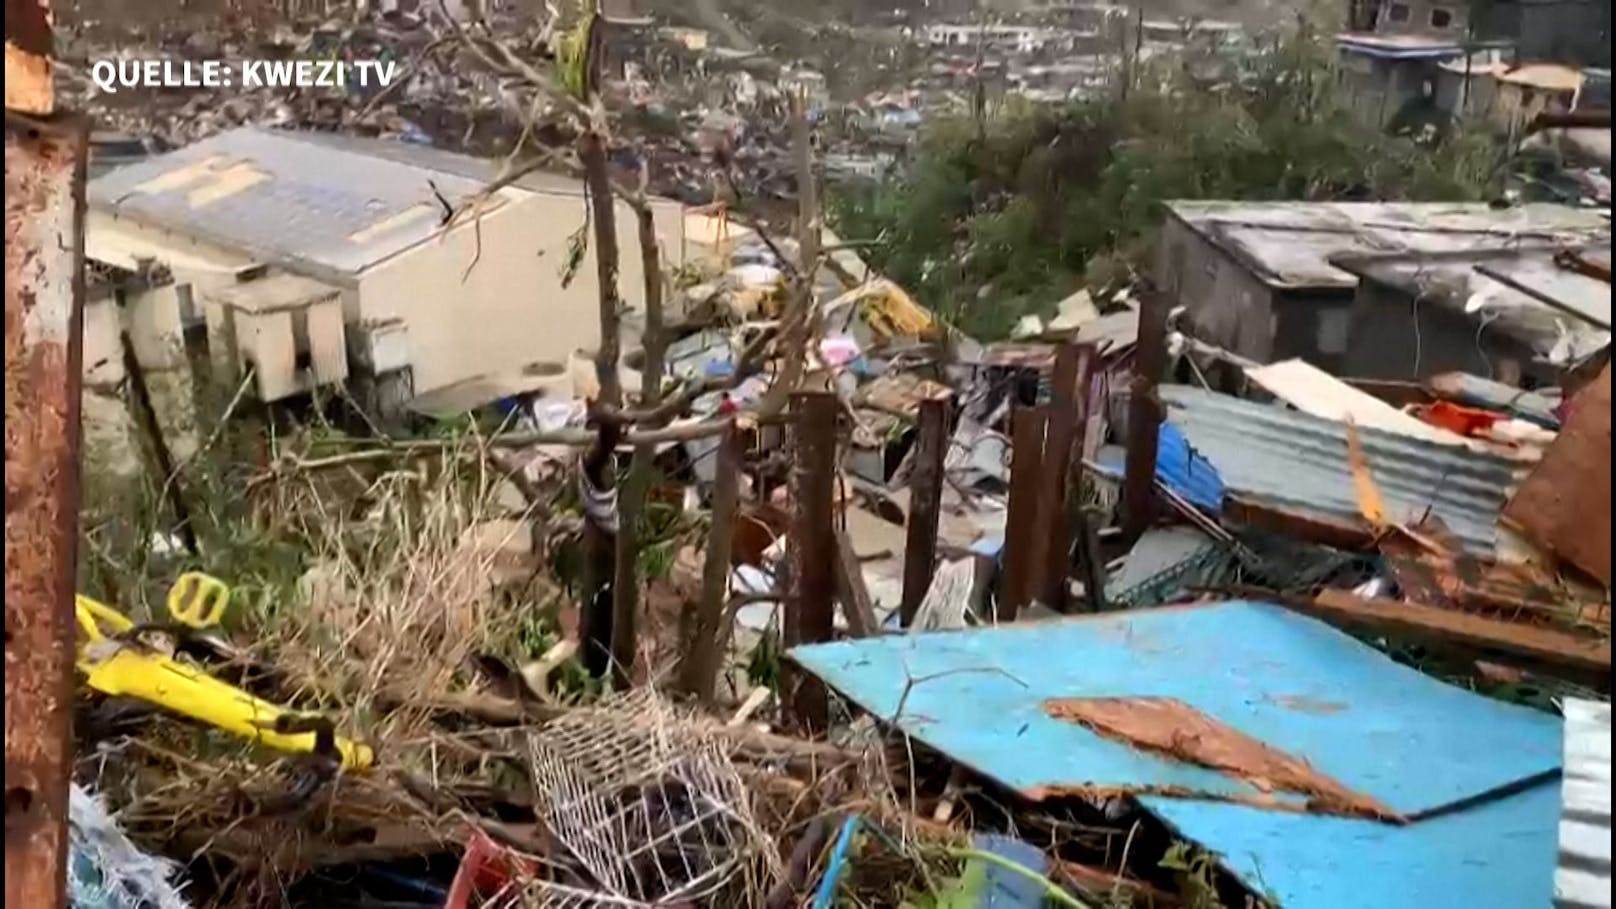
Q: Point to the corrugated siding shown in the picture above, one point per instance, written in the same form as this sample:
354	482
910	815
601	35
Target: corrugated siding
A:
1297	462
1583	879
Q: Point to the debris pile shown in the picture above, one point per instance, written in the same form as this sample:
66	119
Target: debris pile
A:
1152	605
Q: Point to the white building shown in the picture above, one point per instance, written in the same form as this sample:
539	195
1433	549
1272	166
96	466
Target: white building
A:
316	258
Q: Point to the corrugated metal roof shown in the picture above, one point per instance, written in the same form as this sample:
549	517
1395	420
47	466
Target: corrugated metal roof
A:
1583	880
1290	244
296	199
1298	462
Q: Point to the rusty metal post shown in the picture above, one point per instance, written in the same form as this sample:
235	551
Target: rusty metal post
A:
45	159
1053	517
925	505
811	549
1144	417
1021	550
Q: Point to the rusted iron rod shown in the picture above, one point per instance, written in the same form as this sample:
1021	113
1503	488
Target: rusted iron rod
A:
1577	119
1144	417
925	505
1054	518
1021	525
811	549
44	167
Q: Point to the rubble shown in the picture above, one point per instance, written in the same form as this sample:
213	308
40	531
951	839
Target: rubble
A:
1061	618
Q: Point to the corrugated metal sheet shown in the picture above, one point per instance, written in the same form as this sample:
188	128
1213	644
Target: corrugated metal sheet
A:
1298	462
1495	855
980	696
293	199
1583	880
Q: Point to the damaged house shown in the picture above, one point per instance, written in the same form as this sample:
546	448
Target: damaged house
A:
1259	279
312	258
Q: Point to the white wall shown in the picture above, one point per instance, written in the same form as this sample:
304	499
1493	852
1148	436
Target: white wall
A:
509	309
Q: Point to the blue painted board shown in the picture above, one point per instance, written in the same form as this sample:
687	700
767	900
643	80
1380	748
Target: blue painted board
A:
1409	741
1496	855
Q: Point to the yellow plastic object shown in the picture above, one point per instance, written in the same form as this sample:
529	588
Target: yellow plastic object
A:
198	600
120	670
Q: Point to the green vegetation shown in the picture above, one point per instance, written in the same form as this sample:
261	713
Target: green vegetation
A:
997	220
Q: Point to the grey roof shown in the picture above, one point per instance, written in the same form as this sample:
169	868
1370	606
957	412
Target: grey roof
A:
1583	880
312	202
1298	462
1289	245
1505	289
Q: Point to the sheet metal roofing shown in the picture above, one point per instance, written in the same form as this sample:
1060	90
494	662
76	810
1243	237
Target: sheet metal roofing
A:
300	199
1298	462
983	697
1289	244
1583	880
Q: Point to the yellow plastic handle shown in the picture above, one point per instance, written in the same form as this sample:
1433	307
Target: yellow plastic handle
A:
95	618
190	692
198	600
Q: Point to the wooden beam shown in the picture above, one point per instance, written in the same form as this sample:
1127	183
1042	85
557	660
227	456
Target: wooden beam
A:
1545	646
851	590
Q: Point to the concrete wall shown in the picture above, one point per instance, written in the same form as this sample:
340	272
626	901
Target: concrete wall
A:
1394	338
1224	301
510	309
1563	31
1439	18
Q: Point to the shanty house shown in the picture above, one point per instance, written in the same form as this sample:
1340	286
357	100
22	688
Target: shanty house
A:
309	257
1257	279
1393	80
1519	314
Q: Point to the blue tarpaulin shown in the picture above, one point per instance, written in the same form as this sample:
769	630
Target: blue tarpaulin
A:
1186	472
1180	468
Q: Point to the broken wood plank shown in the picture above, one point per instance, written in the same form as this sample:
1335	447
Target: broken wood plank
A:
1021	543
925	503
1546	646
857	607
1564	504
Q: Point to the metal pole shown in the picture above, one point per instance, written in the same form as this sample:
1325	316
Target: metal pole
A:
925	505
811	549
45	159
1144	417
1054	528
1021	520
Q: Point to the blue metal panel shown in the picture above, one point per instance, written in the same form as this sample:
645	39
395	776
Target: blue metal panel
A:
1383	730
1497	855
1186	472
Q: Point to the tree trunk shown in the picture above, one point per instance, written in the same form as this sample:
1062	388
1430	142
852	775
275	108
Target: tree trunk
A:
631	500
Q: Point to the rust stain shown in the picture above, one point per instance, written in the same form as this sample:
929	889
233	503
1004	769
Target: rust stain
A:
1173	728
29	45
44	170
